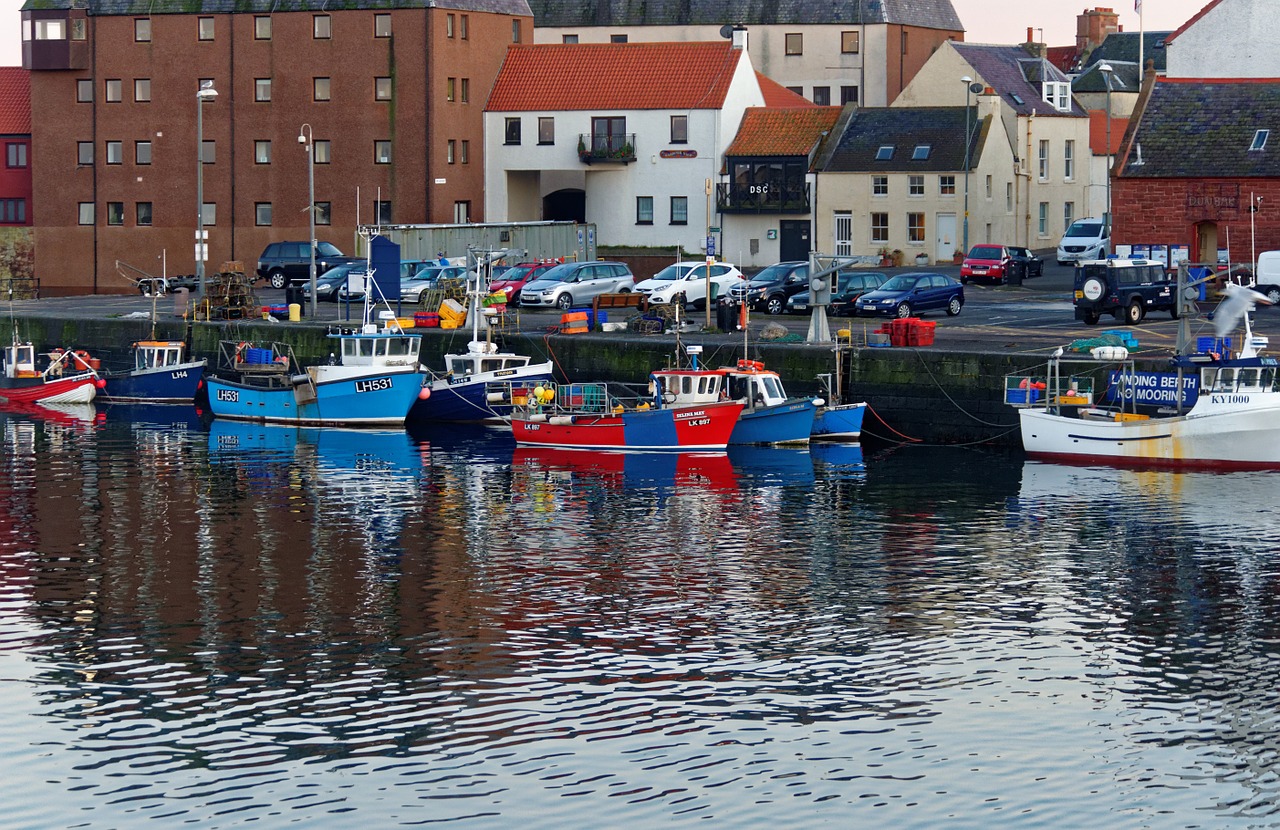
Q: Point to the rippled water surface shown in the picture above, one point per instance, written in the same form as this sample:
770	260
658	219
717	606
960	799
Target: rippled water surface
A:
226	625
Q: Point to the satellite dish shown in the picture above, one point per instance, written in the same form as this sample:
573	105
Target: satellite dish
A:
726	31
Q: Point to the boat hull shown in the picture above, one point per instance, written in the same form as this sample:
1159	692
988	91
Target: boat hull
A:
170	384
76	389
464	399
790	422
1236	435
839	423
381	399
698	427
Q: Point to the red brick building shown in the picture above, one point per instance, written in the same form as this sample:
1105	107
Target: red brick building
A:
1196	156
15	143
392	94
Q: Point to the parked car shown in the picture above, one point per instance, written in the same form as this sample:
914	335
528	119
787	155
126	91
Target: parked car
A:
686	282
283	263
986	262
428	279
1086	239
577	283
1124	288
1026	261
332	281
512	280
908	294
769	290
850	285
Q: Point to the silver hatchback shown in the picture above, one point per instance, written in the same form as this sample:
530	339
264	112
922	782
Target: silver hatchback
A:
577	283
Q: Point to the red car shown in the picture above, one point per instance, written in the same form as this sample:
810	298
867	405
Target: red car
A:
986	262
515	277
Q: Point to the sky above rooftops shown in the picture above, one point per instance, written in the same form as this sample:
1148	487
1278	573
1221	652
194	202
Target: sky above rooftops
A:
986	21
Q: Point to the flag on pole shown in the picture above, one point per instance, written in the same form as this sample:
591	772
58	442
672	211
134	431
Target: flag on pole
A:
1137	6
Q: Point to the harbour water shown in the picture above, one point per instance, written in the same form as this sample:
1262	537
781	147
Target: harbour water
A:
221	625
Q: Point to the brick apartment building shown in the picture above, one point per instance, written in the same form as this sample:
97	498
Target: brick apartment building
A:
392	94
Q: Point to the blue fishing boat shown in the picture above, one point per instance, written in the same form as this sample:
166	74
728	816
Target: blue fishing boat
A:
836	419
162	372
461	393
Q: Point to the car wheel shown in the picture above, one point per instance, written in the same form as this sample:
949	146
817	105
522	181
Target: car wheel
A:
954	306
278	279
1091	318
774	305
964	280
1273	294
1133	313
564	302
903	310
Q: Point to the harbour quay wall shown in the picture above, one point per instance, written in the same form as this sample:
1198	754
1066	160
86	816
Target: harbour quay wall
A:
930	394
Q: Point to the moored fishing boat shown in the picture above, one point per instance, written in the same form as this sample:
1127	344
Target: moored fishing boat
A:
1212	410
837	419
586	416
63	377
459	394
162	372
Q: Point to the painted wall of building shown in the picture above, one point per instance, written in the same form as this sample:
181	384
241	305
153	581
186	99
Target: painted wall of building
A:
1233	39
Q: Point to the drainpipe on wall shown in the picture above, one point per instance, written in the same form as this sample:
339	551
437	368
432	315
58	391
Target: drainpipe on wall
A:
1026	230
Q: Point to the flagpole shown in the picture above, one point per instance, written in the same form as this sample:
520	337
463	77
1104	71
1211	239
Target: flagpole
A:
1142	66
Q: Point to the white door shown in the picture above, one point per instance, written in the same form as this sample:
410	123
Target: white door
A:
946	243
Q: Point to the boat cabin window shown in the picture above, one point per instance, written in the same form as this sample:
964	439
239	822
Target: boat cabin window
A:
1226	378
1267	378
686	384
1248	378
771	386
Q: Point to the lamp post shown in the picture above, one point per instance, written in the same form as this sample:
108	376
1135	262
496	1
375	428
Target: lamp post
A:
1106	71
205	93
968	88
305	138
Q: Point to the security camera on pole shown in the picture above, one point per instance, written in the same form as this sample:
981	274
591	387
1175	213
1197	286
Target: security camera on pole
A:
305	138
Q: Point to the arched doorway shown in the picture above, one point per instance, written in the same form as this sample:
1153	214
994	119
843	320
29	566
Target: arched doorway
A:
565	206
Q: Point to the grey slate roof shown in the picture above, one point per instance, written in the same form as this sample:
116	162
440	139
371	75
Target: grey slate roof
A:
1123	46
1012	70
928	14
867	130
1203	129
156	7
1124	78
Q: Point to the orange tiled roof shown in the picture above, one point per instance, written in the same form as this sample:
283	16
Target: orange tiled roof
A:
598	76
777	95
15	101
792	131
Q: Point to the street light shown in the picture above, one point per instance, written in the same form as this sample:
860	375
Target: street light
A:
968	88
305	138
206	93
1106	71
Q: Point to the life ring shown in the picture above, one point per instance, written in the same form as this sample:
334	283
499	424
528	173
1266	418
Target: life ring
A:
241	348
81	358
756	365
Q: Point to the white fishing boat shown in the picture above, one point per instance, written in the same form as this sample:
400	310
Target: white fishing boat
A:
1212	409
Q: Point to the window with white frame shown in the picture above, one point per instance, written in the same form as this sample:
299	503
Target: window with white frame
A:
842	232
879	228
989	187
1068	214
1058	95
1042	227
915	227
915	185
1044	160
947	185
1069	160
879	185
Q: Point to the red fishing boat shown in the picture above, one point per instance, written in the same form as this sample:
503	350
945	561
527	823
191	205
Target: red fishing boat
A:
65	377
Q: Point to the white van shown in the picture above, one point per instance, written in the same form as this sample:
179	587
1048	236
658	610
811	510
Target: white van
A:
1268	279
1085	239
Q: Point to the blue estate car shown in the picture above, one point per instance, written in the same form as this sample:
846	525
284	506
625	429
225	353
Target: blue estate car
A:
909	294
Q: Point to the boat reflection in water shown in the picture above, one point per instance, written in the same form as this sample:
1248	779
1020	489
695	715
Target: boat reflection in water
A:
663	470
838	460
776	466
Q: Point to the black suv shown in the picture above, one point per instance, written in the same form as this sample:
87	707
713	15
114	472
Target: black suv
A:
770	289
1126	288
287	262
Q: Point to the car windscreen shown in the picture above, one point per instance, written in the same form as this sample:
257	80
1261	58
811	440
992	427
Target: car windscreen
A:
327	249
671	272
983	252
903	283
771	274
1093	230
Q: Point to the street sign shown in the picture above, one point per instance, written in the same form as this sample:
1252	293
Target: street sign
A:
711	246
202	252
713	230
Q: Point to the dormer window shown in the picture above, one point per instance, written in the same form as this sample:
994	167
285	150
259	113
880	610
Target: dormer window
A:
885	153
920	153
1058	95
1259	140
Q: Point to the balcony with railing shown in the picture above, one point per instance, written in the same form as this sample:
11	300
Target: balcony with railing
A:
762	198
607	148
